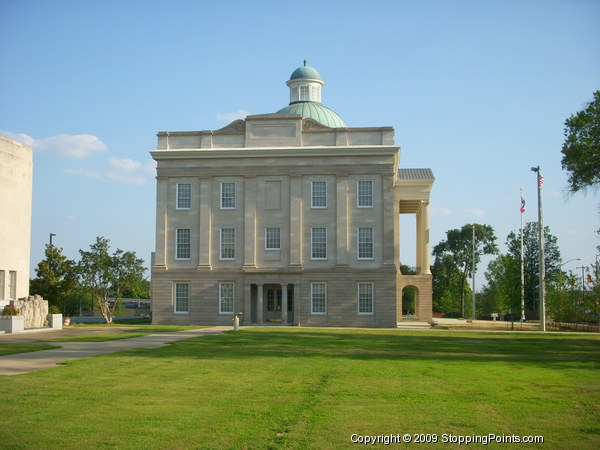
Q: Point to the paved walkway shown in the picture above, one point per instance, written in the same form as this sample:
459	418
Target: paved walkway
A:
46	359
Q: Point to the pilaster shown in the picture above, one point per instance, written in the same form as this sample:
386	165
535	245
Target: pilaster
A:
342	220
205	234
250	221
296	221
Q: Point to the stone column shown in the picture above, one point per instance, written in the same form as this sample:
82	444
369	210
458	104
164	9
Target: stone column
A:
295	221
205	233
425	246
389	239
247	317
160	259
342	220
419	239
284	303
250	220
259	303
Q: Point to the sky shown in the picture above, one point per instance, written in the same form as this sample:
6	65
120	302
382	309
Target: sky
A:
478	91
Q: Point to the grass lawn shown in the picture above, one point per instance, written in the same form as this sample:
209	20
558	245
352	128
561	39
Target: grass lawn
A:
11	349
97	337
313	388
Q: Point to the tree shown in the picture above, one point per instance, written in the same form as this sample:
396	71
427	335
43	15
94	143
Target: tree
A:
56	277
447	286
108	275
502	294
531	259
459	245
581	149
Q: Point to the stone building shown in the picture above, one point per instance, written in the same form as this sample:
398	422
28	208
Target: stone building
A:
289	217
16	170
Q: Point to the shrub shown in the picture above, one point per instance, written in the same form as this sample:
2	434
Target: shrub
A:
10	311
453	315
53	309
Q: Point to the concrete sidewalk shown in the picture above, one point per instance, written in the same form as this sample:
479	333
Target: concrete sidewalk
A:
46	359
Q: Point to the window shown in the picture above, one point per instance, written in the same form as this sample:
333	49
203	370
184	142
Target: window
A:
182	298
227	243
318	296
272	238
226	298
2	284
184	196
365	243
318	243
227	195
365	298
319	194
303	93
365	193
12	285
182	248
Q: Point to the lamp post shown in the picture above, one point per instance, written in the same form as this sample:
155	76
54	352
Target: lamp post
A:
540	182
574	259
51	236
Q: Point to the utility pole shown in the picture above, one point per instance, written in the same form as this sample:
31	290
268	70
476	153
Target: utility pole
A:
473	272
542	264
522	262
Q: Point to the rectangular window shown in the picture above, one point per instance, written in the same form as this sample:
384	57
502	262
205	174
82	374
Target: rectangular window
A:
272	238
226	298
12	285
2	284
182	248
318	296
318	243
227	195
182	298
365	298
184	196
365	194
303	93
319	194
227	243
365	243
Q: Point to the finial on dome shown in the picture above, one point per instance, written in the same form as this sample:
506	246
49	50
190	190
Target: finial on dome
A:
305	62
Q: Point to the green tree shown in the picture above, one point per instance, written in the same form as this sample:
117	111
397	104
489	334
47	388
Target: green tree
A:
56	277
581	149
531	258
108	275
447	286
502	293
459	246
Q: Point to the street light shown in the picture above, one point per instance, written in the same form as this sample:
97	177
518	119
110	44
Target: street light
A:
575	259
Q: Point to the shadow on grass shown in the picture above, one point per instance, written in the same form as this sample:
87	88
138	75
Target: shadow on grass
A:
386	345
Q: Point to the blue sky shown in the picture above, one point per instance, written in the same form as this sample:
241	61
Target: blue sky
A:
476	90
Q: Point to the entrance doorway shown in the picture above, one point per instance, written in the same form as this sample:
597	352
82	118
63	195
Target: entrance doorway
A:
273	303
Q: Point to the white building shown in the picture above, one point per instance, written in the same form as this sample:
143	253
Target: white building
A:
289	217
16	169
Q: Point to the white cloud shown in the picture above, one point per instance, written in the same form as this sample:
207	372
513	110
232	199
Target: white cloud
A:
93	174
477	213
235	115
71	218
441	211
124	170
67	145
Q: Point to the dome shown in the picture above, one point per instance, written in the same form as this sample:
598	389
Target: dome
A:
315	111
305	72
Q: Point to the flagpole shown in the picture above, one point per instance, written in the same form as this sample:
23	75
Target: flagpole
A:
542	264
522	263
473	272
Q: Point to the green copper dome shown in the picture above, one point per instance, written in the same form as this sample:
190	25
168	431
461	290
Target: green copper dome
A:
315	111
305	72
305	85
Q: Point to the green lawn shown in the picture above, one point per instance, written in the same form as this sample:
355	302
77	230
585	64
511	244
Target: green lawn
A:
11	349
312	388
97	337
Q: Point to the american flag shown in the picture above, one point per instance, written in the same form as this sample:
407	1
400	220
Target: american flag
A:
541	181
522	205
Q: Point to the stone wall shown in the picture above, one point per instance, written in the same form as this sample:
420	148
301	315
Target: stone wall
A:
34	310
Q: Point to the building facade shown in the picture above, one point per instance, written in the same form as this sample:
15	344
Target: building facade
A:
16	171
289	218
